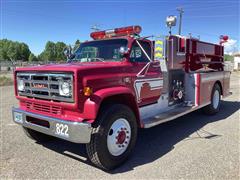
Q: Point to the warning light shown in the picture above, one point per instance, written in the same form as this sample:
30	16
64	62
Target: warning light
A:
124	31
223	39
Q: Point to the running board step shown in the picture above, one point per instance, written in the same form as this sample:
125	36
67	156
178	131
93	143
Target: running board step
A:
168	116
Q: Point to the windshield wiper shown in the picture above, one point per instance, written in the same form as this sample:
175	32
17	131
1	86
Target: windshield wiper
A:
98	59
88	60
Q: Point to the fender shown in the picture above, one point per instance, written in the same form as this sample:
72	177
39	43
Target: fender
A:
92	104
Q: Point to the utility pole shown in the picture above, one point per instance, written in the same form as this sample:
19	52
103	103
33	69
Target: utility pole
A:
180	10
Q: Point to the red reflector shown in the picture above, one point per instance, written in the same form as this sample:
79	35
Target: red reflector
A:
182	42
128	30
98	35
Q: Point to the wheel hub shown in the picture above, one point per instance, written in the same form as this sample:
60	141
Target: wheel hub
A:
119	137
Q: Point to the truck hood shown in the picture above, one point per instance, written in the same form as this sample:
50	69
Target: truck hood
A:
71	67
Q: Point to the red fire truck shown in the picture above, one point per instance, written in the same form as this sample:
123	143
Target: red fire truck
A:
114	85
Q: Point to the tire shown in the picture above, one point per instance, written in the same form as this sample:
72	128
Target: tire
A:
214	106
113	138
37	136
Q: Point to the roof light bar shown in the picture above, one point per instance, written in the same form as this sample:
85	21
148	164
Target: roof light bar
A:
124	31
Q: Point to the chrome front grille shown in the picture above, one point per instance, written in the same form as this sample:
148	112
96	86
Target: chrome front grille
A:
51	109
44	85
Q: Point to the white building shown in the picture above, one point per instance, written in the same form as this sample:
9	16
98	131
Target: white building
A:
236	61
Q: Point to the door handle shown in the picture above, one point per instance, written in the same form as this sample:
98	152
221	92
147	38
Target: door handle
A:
156	66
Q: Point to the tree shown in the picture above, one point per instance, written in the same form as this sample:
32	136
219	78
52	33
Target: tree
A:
20	51
41	57
53	51
60	46
228	57
50	51
76	45
13	50
32	57
24	51
3	49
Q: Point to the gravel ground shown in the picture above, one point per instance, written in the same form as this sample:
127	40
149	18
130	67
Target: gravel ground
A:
195	146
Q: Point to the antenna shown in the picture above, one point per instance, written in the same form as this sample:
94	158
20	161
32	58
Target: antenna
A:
95	27
180	10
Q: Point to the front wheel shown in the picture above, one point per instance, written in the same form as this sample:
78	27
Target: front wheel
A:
214	106
113	138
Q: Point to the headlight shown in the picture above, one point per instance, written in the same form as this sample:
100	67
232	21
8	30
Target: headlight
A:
20	85
65	88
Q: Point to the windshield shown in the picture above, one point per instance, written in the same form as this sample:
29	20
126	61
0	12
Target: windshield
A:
105	50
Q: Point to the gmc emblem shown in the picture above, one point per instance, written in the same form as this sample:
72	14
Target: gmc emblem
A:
40	86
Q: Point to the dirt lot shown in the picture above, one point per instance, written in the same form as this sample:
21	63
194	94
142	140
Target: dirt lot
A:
6	78
195	146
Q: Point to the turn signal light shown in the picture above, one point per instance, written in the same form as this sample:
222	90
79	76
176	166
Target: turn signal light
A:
87	91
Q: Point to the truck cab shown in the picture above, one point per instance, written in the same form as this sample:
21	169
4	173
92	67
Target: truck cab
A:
115	84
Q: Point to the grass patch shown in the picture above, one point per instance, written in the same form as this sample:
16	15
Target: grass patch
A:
5	81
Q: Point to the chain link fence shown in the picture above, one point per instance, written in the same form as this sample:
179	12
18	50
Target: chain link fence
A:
7	66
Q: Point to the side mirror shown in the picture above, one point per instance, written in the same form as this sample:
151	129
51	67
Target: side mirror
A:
67	51
123	50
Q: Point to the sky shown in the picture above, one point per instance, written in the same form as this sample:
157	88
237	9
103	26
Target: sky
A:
36	22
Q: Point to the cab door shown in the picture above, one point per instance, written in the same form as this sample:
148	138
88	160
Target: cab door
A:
148	81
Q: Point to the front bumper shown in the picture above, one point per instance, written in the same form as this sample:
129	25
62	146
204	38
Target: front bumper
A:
76	132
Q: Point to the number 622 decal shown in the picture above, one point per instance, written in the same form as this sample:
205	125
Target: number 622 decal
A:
61	129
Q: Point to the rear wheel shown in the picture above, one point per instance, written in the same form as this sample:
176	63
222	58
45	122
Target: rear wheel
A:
214	106
37	136
113	138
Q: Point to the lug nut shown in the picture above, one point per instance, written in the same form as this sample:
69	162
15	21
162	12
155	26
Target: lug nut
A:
128	137
125	142
127	132
125	128
122	145
119	146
